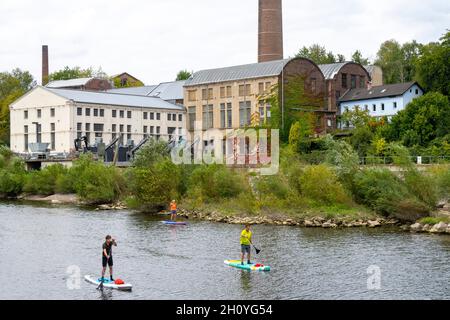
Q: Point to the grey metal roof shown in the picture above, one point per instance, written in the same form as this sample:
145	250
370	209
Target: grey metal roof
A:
169	90
139	91
331	70
68	83
115	99
248	71
390	90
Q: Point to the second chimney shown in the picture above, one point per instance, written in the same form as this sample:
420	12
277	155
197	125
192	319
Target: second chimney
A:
45	72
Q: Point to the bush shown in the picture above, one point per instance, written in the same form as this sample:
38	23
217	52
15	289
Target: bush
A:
96	183
12	174
212	182
154	187
320	184
441	175
44	182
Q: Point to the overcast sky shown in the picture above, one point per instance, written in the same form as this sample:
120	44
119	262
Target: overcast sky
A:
153	39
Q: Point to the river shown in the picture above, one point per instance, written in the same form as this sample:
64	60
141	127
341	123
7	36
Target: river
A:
45	251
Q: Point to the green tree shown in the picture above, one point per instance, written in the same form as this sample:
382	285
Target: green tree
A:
411	52
358	58
71	73
390	59
433	67
12	86
183	75
318	54
424	119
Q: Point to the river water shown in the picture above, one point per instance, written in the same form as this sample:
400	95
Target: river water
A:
46	251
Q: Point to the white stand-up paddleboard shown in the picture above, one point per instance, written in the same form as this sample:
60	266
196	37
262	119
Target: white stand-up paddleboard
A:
109	284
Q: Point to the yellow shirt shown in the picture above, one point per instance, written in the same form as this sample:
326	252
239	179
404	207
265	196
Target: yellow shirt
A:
246	237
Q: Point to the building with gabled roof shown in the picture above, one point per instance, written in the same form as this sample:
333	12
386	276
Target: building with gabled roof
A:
92	84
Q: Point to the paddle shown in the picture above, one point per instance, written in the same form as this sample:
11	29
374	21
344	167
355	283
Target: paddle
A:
256	249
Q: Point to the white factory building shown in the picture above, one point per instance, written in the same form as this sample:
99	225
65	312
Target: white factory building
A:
58	117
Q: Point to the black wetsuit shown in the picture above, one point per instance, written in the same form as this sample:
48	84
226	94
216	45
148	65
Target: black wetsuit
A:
105	260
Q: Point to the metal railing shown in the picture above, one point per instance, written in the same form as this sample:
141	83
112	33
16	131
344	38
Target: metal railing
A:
419	160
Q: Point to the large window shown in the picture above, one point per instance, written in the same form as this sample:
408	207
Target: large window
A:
95	112
344	80
245	90
353	81
79	112
129	114
25	130
229	92
52	112
39	113
245	109
52	136
191	117
192	95
226	115
114	113
25	114
98	129
87	112
207	94
208	117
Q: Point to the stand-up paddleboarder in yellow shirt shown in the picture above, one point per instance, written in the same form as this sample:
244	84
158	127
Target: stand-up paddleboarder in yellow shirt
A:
246	242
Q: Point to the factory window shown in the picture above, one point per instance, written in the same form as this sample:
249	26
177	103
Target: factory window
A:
145	129
88	127
121	128
353	81
395	105
114	128
25	129
262	113
382	106
245	113
191	118
95	112
158	116
268	86
98	127
170	132
208	117
374	107
52	136
158	133
121	114
79	111
114	113
174	117
145	115
261	88
169	117
129	114
344	80
79	126
39	113
25	114
102	112
225	115
245	90
52	112
223	112
152	116
229	92
207	94
39	133
113	135
362	82
192	95
88	112
180	117
128	128
222	92
152	130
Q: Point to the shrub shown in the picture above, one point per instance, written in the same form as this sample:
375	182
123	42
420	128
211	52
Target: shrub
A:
152	152
44	182
154	187
320	184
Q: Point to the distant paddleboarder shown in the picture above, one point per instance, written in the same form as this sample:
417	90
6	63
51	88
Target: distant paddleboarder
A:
107	259
246	242
173	210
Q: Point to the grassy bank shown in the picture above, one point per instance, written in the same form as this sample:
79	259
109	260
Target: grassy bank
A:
336	189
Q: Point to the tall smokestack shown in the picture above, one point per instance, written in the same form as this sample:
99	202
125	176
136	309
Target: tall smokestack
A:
270	34
44	65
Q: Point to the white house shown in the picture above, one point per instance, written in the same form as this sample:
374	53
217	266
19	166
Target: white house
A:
380	101
59	116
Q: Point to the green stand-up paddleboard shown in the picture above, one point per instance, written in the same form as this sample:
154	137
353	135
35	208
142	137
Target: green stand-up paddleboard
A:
245	266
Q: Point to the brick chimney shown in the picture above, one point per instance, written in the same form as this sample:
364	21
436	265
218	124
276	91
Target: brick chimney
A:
45	72
270	32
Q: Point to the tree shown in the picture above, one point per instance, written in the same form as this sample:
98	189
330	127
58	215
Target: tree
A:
358	58
411	52
12	86
433	67
424	119
390	59
318	54
183	75
71	73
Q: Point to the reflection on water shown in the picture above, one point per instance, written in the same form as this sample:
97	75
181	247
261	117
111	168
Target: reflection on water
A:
39	244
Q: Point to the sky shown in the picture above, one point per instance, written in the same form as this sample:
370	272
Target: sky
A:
154	39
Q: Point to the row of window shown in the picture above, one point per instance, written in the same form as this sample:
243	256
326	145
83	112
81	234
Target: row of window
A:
353	81
121	114
39	136
374	107
227	91
226	115
39	113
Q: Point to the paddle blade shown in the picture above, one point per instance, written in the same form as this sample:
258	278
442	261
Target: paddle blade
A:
257	250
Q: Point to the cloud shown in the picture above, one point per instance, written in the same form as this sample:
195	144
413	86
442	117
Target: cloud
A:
155	39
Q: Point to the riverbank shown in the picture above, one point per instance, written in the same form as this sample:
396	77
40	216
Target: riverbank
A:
440	224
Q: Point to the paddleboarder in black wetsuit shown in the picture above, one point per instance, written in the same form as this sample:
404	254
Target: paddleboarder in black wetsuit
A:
107	258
